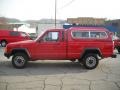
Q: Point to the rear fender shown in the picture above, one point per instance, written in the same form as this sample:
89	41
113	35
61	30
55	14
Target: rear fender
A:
91	50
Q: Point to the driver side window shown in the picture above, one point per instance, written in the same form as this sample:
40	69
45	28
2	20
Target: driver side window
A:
51	36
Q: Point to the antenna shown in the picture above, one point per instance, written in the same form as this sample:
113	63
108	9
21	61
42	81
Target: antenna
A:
55	11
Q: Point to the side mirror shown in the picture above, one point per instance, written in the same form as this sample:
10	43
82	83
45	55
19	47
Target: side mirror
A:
46	39
40	40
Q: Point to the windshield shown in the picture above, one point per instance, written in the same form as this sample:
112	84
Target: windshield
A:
23	34
39	35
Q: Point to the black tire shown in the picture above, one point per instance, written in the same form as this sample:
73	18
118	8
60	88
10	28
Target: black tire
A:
19	60
118	49
90	61
3	43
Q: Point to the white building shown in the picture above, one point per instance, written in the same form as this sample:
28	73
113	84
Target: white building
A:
26	28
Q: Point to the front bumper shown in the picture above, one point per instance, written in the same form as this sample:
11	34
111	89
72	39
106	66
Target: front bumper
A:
7	55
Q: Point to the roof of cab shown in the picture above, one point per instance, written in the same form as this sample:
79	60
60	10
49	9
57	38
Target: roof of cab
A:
81	28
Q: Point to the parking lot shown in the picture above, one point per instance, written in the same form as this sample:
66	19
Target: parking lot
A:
59	75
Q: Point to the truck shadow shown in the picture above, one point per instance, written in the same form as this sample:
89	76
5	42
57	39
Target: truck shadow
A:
42	68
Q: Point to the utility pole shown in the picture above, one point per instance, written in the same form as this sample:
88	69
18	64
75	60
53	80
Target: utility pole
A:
55	11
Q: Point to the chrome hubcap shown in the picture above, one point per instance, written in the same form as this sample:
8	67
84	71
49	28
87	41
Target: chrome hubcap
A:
19	61
91	61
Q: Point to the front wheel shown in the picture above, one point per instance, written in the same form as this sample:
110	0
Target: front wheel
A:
90	61
19	60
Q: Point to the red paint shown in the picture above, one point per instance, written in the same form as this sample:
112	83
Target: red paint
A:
8	36
67	47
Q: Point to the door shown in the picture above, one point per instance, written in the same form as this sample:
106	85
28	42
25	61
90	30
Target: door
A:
51	46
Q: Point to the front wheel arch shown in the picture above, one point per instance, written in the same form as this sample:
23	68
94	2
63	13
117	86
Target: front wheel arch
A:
20	50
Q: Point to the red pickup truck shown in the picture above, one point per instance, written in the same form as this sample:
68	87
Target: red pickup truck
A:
86	44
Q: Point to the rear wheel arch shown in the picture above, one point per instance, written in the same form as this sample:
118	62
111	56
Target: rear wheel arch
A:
91	50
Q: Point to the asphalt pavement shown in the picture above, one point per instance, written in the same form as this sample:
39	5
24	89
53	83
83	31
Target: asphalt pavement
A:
59	75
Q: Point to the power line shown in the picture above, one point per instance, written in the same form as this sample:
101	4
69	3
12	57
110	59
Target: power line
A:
67	4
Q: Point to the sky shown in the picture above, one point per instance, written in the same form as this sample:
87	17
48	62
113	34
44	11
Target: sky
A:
40	9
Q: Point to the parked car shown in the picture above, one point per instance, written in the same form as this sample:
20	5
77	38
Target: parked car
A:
8	36
116	43
86	44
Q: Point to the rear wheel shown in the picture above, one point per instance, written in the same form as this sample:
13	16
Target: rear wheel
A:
3	43
19	60
90	61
